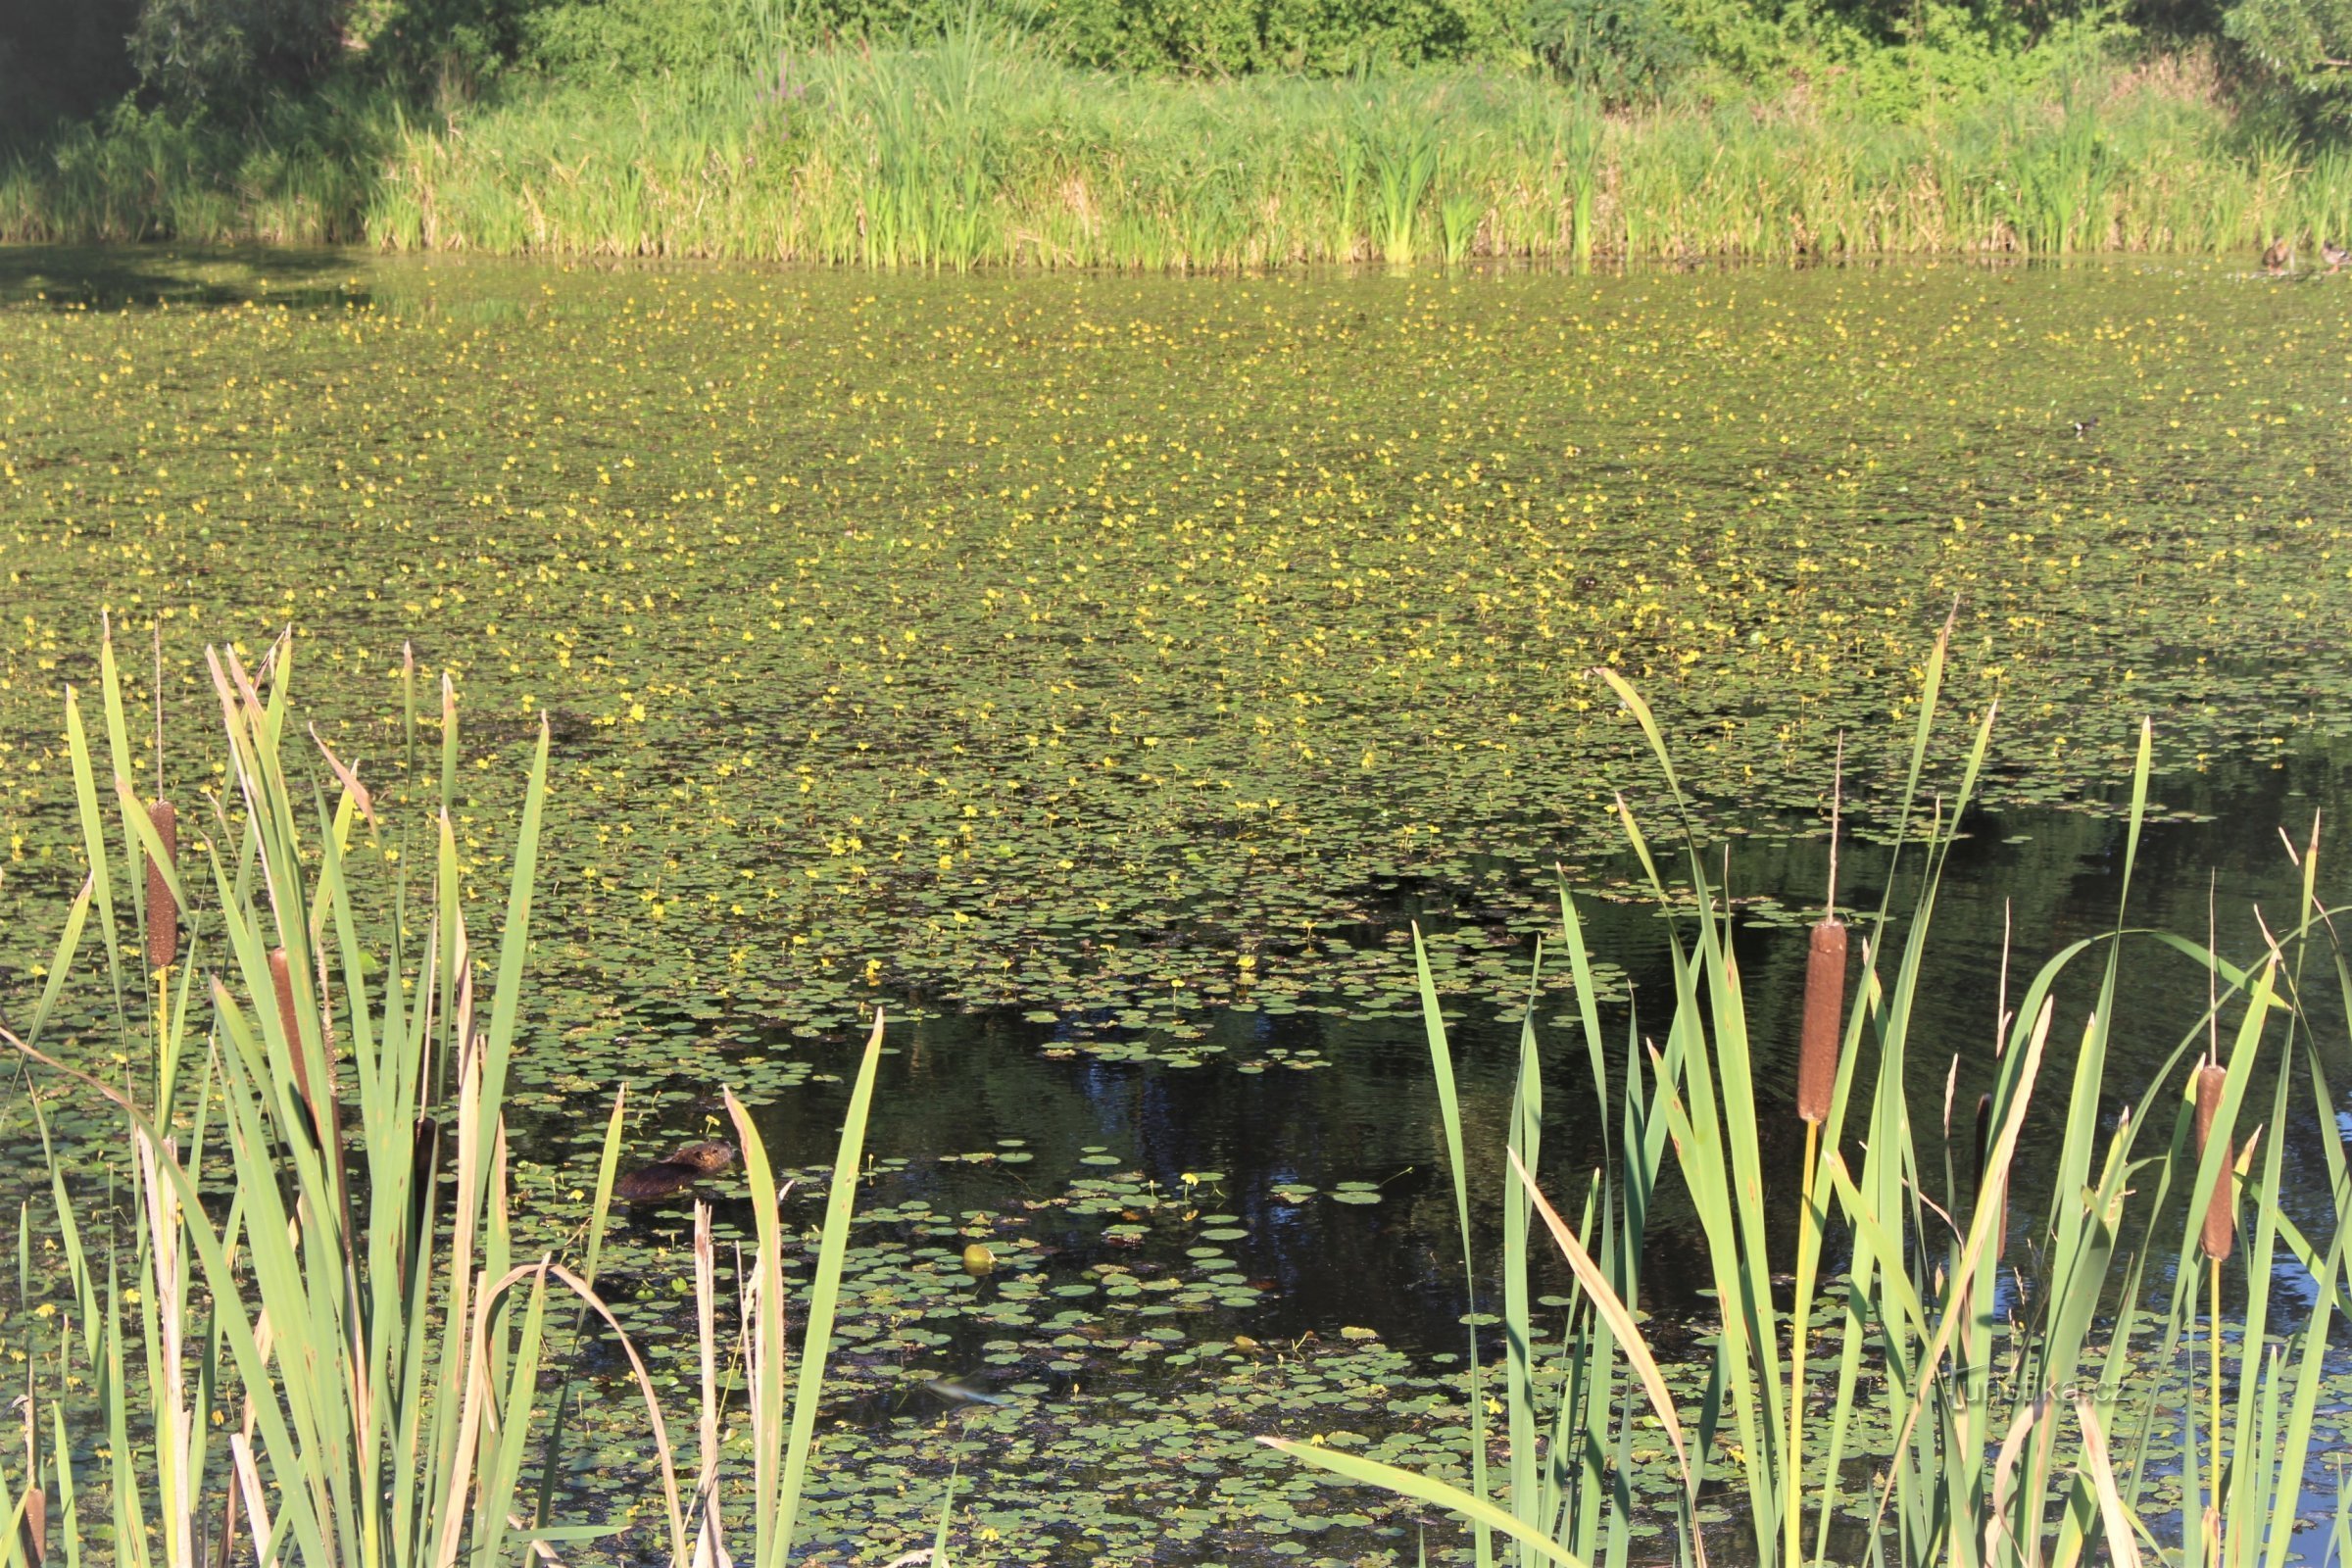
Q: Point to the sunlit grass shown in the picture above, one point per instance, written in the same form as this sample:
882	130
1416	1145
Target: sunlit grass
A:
919	155
978	149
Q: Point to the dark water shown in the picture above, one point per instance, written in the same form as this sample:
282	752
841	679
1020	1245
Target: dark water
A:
2033	880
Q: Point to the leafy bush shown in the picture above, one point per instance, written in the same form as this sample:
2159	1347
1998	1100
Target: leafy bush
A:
194	54
1320	37
621	39
608	39
1954	56
2307	42
1617	49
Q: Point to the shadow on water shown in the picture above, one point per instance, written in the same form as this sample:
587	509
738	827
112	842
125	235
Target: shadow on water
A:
1286	1106
124	278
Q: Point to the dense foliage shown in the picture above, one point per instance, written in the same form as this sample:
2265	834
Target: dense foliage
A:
222	58
1216	132
2307	41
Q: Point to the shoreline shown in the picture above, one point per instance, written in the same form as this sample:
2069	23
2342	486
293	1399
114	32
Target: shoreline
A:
983	155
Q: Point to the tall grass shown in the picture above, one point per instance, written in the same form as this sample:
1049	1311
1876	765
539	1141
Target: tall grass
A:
300	172
978	149
2029	1418
301	1348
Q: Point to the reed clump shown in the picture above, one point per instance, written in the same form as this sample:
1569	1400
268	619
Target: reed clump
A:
2029	1392
976	151
341	1364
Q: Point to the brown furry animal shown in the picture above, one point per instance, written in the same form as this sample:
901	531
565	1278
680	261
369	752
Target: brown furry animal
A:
666	1178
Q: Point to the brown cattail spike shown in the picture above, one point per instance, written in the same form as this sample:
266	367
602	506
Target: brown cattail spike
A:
281	977
1825	1022
163	910
33	1527
2220	1212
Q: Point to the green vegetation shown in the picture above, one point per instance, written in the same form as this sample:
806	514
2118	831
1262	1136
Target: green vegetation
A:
282	1267
275	1271
1102	134
2007	1394
976	152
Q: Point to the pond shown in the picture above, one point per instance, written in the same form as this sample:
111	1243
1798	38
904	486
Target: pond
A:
1102	675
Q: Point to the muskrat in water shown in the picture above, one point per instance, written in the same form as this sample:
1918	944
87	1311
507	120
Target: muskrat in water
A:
666	1178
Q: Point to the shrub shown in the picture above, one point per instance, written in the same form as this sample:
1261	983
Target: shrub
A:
192	54
1620	50
2306	42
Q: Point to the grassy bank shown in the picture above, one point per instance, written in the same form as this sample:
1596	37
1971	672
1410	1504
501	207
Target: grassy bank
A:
979	150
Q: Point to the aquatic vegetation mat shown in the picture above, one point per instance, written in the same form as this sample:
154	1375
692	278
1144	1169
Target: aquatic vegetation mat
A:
1099	674
1117	652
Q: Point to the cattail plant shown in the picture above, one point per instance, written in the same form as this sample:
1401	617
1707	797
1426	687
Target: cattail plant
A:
1823	1028
1820	1039
387	1367
162	909
282	980
1979	1468
318	1099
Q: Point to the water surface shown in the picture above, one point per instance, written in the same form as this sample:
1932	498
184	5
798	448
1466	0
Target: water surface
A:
1102	674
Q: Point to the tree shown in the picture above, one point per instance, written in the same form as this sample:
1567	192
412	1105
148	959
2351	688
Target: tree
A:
2307	42
196	54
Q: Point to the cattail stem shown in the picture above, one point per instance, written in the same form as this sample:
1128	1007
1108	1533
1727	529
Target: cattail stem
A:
1808	1246
163	910
2213	1395
1829	909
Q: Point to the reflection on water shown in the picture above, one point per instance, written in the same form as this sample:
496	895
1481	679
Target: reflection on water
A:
1318	1098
